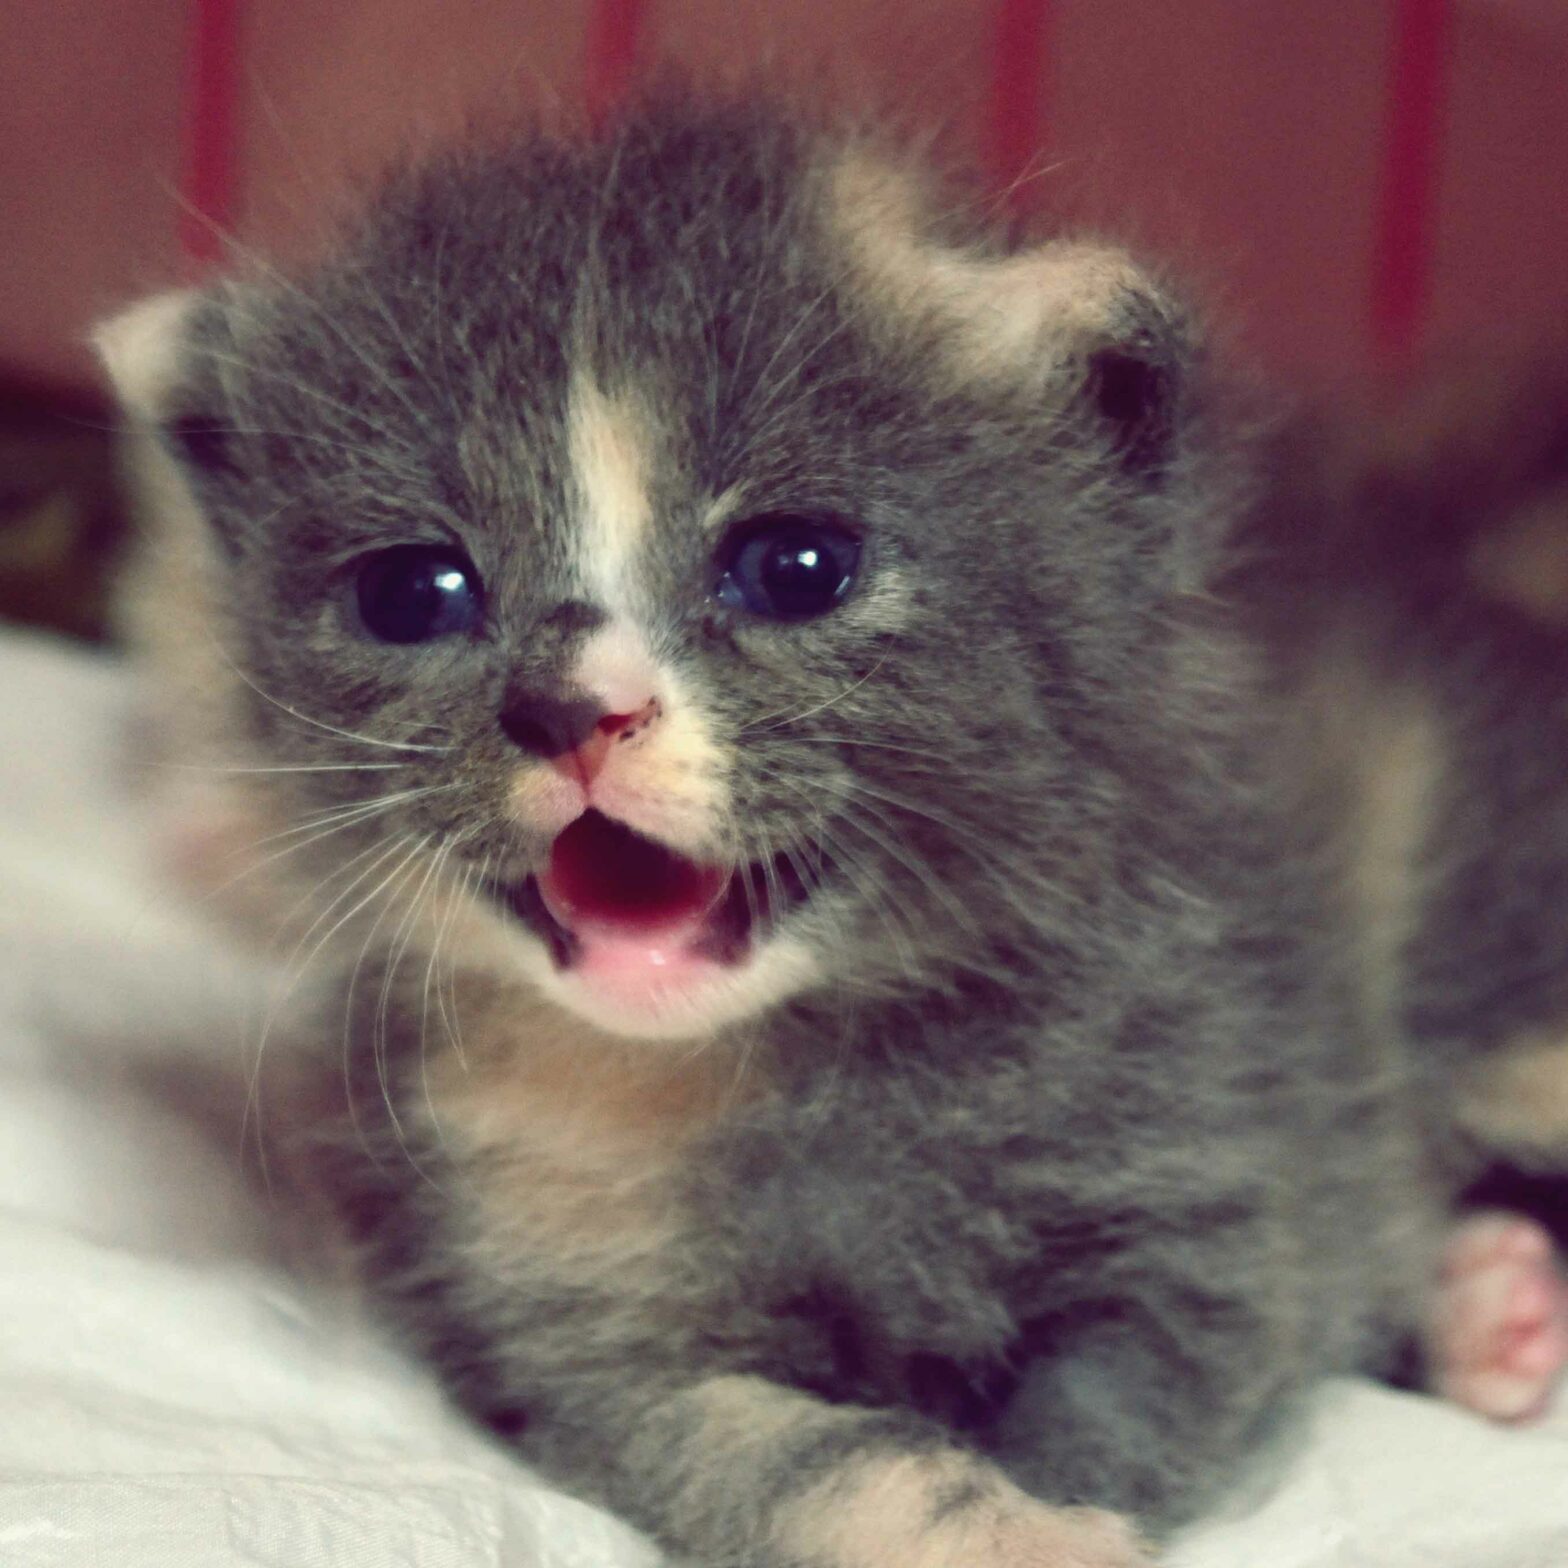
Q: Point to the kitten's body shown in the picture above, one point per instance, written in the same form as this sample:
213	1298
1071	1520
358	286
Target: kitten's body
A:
1013	1112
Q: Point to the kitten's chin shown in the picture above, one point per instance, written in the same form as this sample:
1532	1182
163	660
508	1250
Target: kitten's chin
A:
679	994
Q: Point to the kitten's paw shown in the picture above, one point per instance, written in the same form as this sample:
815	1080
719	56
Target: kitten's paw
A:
1056	1538
1499	1341
917	1513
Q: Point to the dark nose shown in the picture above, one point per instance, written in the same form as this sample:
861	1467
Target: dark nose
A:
550	726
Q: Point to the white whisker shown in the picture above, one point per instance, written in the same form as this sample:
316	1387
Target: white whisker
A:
306	767
321	724
288	981
397	951
820	707
449	1019
358	811
322	831
889	845
398	875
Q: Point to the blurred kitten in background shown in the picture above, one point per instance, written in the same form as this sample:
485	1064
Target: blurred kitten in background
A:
1410	566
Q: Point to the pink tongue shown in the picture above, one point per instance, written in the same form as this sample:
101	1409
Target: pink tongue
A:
623	894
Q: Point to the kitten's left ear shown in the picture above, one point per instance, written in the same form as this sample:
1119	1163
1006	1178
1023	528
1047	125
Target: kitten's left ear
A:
1136	368
1078	322
1084	321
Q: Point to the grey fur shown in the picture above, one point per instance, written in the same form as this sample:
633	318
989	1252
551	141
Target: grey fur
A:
1072	1156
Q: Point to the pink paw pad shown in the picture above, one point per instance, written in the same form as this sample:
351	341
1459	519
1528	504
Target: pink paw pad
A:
1499	1340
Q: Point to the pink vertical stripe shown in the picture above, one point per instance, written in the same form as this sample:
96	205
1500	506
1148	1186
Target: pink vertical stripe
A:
614	32
1403	242
208	182
1017	107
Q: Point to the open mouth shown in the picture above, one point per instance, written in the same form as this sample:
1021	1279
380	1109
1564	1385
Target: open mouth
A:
608	889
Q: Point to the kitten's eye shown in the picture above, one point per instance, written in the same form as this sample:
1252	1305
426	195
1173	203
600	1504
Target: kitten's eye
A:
788	567
414	592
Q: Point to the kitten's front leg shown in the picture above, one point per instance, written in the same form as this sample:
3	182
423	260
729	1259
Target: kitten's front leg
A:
738	1472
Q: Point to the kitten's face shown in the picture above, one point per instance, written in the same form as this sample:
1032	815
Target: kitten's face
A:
716	577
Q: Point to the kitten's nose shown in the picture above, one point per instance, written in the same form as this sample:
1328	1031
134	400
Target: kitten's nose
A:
549	726
573	735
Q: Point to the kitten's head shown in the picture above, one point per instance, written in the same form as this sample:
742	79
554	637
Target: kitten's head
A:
726	564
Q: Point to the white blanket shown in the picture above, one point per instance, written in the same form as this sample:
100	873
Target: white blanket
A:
177	1394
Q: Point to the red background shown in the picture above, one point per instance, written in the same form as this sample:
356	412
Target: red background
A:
1349	177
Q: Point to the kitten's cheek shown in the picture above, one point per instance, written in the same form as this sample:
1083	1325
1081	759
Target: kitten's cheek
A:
544	800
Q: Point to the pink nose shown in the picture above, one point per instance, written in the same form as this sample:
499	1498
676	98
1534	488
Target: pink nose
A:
586	760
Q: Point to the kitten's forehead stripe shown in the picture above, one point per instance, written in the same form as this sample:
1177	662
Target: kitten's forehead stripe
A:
610	444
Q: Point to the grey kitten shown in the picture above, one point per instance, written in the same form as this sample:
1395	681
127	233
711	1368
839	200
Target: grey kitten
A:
845	1058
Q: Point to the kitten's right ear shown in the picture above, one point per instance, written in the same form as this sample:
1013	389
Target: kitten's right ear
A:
153	353
143	349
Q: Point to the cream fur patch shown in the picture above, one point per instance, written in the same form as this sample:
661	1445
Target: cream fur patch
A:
1004	316
170	607
1525	563
1389	749
141	349
889	1513
1516	1100
669	780
610	443
541	799
617	667
1399	777
573	1138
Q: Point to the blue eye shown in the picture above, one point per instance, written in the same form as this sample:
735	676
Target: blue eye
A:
788	567
416	593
